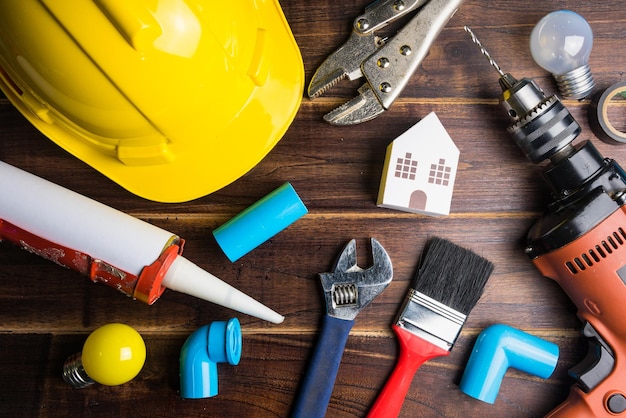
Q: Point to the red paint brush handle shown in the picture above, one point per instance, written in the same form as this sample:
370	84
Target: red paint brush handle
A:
414	351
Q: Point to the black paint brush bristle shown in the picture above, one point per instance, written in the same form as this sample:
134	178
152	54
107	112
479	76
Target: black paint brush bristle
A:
452	275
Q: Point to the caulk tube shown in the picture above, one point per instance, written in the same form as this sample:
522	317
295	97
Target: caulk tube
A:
64	217
106	244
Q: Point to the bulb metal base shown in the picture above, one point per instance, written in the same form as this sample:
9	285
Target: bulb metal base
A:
74	372
575	84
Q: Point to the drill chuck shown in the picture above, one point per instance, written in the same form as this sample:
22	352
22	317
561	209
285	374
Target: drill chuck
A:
542	126
586	187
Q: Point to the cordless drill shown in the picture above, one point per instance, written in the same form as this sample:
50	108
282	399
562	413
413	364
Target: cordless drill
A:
580	241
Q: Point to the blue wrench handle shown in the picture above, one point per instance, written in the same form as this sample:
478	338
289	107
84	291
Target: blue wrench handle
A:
317	386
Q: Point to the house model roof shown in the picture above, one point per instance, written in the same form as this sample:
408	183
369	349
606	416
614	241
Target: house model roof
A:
420	169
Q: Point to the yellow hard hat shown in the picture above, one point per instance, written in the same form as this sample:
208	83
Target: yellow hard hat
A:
172	99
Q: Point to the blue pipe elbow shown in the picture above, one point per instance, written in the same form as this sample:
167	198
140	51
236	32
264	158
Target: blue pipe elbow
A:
219	342
499	347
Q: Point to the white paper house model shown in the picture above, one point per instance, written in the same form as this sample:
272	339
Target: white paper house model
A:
419	171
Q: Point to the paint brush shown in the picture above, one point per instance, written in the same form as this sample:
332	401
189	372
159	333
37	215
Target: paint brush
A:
447	286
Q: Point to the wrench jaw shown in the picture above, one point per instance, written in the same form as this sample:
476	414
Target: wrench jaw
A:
349	288
347	259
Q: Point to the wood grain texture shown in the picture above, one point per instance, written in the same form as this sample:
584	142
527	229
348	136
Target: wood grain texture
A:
46	312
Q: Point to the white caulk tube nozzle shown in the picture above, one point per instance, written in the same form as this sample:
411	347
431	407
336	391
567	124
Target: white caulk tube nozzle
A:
186	277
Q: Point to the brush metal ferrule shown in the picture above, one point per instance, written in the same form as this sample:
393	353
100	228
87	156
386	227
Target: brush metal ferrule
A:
431	320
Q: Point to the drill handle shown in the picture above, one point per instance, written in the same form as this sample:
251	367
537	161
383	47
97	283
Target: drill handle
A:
591	271
606	400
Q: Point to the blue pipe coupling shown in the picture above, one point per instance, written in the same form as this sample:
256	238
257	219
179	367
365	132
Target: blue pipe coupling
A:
260	222
499	347
218	342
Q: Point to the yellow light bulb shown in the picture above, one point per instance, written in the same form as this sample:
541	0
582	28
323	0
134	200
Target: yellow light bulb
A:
112	355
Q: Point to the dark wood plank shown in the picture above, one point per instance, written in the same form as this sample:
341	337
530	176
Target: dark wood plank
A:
46	312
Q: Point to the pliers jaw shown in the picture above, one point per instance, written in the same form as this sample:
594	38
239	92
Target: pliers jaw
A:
349	288
360	109
345	62
386	66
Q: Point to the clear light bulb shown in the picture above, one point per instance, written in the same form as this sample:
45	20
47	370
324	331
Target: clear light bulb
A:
112	355
561	43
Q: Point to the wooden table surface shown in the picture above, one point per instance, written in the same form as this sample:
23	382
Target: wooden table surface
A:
46	312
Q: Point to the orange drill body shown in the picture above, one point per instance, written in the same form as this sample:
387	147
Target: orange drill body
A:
592	272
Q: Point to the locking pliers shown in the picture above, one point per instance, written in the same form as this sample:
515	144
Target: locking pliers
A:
387	65
347	290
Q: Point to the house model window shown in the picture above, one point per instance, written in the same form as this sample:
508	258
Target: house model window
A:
419	171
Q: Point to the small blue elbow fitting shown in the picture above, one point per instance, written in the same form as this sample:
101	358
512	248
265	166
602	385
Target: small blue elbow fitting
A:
500	347
218	342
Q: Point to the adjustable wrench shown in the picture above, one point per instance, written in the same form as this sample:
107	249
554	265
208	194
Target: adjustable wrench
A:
347	290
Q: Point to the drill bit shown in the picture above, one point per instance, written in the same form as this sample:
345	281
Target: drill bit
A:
475	39
506	80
